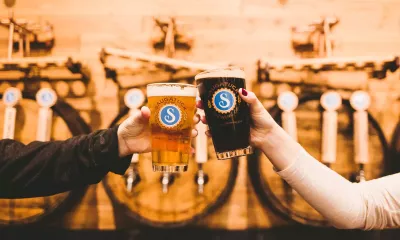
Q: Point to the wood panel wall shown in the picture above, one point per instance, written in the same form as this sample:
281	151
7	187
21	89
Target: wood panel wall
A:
238	31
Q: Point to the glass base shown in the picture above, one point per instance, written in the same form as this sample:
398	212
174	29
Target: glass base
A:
235	153
170	168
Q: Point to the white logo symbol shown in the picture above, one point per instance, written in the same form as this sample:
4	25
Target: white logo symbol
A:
170	116
224	100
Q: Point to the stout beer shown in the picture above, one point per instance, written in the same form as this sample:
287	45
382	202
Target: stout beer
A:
172	108
228	116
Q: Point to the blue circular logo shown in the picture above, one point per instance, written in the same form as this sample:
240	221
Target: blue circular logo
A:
47	97
224	100
170	115
10	97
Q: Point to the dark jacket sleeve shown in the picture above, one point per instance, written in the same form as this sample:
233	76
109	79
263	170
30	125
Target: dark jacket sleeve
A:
47	168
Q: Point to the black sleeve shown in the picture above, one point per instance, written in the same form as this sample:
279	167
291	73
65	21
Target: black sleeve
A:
47	168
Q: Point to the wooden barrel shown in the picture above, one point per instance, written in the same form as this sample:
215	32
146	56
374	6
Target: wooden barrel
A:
396	149
182	204
66	122
277	195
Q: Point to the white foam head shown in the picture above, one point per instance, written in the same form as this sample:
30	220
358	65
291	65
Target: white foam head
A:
233	72
171	89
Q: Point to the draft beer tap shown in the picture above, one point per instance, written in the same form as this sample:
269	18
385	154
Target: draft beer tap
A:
11	98
45	98
167	179
288	102
331	102
133	99
360	101
201	177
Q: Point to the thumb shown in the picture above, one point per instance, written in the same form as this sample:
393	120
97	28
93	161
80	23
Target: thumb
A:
139	117
250	98
145	113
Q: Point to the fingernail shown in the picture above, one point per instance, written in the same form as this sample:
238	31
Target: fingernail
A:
244	92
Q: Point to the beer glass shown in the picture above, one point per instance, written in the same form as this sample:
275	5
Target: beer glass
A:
172	106
228	116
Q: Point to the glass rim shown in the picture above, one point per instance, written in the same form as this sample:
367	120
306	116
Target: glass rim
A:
217	69
171	84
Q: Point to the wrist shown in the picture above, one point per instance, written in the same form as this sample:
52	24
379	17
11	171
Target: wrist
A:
122	147
280	148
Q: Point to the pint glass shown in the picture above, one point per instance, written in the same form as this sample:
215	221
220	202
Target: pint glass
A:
172	106
228	116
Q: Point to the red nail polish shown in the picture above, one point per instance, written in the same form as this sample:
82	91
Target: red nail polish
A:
244	92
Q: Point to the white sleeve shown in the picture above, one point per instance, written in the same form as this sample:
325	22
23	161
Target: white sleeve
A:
373	204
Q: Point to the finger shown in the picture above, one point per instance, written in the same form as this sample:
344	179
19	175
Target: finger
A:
199	104
203	119
192	150
196	118
249	97
194	133
145	112
208	133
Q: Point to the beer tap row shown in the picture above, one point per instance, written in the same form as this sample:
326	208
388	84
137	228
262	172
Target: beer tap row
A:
331	101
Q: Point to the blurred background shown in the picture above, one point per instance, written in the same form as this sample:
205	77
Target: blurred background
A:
93	53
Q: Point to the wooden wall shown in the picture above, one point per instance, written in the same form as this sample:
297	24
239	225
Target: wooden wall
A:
238	31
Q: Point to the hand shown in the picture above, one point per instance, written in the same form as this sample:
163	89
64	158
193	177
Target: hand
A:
134	133
262	122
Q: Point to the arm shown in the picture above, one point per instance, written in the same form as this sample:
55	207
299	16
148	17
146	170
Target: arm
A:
46	168
373	204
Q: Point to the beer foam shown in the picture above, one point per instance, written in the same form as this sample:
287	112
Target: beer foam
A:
171	89
232	72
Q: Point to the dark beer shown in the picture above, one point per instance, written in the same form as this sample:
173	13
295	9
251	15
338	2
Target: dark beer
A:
228	116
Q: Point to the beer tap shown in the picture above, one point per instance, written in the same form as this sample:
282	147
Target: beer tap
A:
132	176
288	102
360	101
133	99
330	101
201	177
166	180
11	98
45	98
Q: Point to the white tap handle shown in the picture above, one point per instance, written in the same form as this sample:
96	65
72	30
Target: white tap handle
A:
330	101
361	137
46	98
201	141
288	102
329	136
9	122
289	124
360	101
11	98
135	158
45	119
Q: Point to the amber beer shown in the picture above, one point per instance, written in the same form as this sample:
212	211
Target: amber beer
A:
172	106
228	116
